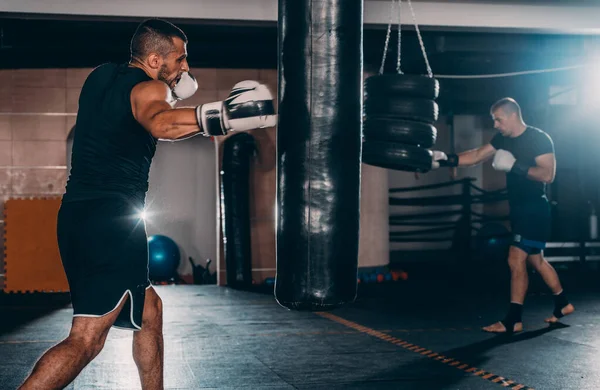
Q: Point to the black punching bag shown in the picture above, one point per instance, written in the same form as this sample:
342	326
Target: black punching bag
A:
319	152
238	151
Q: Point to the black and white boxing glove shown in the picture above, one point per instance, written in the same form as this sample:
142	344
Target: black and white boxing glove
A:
249	106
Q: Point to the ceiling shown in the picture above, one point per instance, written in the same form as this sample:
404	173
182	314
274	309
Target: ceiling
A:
37	42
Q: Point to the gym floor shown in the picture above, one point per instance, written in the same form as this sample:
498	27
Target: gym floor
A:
411	335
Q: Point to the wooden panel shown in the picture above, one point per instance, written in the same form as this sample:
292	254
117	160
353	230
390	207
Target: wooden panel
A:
39	153
206	77
38	128
30	99
5	182
39	78
76	77
6	76
227	78
202	96
263	243
38	181
32	259
72	100
5	128
374	248
268	76
70	124
222	94
6	98
5	153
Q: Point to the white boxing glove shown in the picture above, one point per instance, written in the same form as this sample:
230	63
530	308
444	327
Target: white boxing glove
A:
436	157
503	160
186	87
249	106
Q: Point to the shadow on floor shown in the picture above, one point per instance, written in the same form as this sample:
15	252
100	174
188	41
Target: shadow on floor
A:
419	372
17	310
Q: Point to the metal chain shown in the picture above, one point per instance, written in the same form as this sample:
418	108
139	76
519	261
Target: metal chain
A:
387	37
398	68
429	72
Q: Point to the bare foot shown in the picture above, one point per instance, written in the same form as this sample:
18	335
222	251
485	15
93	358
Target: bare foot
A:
499	327
565	311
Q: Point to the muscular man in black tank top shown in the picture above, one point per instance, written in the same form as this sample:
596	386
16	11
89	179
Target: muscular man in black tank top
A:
526	154
124	109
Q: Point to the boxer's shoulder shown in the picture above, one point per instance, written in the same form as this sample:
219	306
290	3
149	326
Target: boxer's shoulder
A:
537	132
538	136
150	90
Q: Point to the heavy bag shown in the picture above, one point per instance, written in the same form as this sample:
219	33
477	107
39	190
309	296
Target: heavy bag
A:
319	152
235	213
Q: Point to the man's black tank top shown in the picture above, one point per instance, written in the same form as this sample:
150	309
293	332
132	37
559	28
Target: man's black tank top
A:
112	152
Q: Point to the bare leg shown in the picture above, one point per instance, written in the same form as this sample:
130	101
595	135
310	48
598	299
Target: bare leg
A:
548	273
61	364
148	344
519	282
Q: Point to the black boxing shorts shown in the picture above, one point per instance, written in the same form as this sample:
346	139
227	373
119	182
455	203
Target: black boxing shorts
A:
531	225
104	250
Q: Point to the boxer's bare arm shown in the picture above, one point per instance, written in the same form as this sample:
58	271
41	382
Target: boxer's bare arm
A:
150	107
476	156
544	169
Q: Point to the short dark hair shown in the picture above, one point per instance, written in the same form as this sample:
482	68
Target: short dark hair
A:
508	105
155	35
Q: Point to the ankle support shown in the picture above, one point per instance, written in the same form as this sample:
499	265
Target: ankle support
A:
560	301
512	317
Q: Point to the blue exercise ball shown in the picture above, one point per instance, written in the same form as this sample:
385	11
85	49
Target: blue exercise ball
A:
163	256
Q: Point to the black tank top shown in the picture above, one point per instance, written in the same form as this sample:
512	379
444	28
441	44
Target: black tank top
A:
112	152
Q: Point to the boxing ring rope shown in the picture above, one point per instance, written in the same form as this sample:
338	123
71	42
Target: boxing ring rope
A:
456	227
464	230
